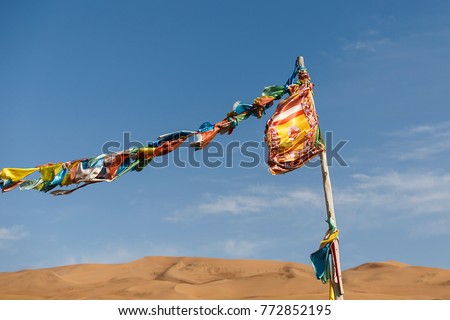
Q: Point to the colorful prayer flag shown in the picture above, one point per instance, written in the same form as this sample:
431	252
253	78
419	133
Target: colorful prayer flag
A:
292	133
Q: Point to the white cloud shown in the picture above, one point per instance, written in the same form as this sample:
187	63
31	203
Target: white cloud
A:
436	227
235	204
419	129
251	200
420	142
241	248
408	188
418	192
373	32
424	151
377	36
398	197
13	233
441	129
105	255
120	254
366	45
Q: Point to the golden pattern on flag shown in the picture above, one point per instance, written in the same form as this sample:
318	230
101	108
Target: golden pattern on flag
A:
292	133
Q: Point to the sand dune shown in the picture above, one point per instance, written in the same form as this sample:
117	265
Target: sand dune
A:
206	278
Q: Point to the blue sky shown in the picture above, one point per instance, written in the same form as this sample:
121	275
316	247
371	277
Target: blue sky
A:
77	74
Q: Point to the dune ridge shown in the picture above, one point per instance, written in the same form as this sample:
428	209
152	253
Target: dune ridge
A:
212	278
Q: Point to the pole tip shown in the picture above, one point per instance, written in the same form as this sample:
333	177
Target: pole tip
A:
301	61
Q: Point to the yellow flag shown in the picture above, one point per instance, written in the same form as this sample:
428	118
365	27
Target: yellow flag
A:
16	174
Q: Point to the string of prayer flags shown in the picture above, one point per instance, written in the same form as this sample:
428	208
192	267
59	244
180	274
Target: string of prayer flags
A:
292	134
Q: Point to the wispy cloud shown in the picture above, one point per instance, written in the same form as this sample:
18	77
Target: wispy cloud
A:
407	187
372	38
370	45
14	233
373	32
420	142
398	197
436	227
241	249
436	129
236	204
121	253
238	248
250	200
105	255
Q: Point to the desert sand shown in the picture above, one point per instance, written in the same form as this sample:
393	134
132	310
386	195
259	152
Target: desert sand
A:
207	278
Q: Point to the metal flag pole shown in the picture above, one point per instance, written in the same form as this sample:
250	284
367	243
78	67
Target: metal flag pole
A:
336	274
